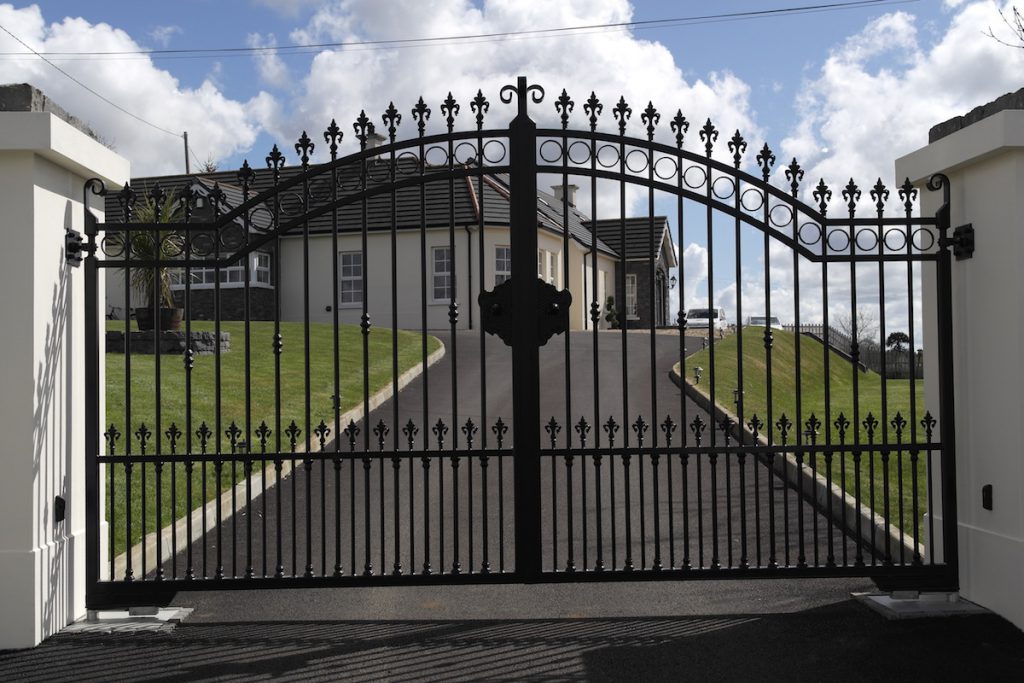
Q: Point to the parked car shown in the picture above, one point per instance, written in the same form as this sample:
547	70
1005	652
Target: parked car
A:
697	318
761	321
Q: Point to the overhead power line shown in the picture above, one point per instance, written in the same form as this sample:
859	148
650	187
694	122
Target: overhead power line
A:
184	53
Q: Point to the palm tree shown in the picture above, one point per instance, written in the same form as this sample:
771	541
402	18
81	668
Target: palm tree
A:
154	246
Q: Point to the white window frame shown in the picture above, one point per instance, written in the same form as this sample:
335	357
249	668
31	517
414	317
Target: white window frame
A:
502	264
632	312
542	263
435	274
553	263
355	279
231	277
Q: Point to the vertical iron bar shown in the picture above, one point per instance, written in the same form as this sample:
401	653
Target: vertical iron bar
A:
93	505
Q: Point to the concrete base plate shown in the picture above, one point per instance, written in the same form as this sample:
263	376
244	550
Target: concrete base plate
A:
912	605
132	620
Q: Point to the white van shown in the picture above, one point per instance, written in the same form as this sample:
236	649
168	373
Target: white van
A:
699	318
761	321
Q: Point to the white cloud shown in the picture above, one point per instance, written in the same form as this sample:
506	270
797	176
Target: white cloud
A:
163	34
271	67
217	125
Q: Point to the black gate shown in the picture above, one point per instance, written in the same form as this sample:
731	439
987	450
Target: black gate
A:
310	395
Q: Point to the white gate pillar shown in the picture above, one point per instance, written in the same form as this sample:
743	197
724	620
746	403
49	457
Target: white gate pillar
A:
985	164
44	163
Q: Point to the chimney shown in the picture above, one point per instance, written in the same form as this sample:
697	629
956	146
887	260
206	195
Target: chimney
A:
562	191
375	140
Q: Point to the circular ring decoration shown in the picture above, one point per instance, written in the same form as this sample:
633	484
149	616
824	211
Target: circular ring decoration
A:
408	163
232	237
607	156
576	156
172	245
551	151
435	155
691	172
203	244
815	232
490	155
112	246
261	219
780	215
838	240
379	171
666	168
730	188
749	205
319	190
922	239
291	204
896	244
640	166
862	239
466	153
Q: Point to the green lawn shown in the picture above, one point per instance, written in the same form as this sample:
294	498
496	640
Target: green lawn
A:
812	398
232	402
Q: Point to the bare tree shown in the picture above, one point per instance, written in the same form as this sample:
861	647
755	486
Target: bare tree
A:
1016	26
208	166
861	326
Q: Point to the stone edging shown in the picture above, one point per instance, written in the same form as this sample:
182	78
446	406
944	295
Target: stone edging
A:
815	486
180	526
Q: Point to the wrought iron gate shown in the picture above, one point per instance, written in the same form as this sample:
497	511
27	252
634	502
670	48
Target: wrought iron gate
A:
276	459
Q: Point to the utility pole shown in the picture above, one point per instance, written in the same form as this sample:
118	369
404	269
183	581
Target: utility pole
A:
185	136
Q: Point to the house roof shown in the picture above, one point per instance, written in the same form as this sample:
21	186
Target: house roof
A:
463	209
638	237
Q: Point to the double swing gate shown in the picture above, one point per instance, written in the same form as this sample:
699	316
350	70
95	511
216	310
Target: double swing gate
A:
375	382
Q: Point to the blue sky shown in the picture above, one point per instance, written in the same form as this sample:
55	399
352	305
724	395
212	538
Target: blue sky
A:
845	91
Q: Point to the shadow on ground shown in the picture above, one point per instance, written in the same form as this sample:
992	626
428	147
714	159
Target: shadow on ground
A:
842	641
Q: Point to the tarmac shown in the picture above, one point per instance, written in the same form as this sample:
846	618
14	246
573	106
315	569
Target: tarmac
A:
765	630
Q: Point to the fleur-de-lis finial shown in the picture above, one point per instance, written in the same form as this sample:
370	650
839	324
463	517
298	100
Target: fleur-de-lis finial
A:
783	424
363	127
233	432
156	196
275	162
391	119
304	147
898	423
564	105
322	431
410	430
244	175
126	199
440	429
755	425
880	194
640	428
851	193
479	106
450	109
622	111
708	134
263	434
173	434
680	126
142	434
421	114
293	432
351	431
842	423
553	429
469	430
381	431
669	427
593	108
582	430
927	422
203	434
650	118
870	425
908	193
812	426
737	145
697	427
822	194
112	435
794	174
611	428
333	136
766	159
499	429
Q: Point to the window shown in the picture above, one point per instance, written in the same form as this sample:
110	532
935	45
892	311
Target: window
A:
547	266
552	268
230	276
502	264
631	307
350	278
442	282
542	262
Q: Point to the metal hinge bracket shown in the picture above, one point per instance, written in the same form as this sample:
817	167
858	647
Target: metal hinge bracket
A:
74	247
962	242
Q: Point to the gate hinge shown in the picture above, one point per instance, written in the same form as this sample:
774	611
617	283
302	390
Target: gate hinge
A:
74	247
962	241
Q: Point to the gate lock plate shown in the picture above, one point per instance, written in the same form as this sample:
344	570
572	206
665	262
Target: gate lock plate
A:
497	311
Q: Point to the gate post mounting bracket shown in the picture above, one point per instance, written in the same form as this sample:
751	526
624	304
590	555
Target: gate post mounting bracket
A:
74	247
497	311
962	241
